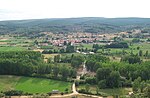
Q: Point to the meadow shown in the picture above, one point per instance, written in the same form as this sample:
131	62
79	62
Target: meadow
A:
32	85
12	48
108	91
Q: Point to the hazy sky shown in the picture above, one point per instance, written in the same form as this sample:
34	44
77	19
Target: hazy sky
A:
33	9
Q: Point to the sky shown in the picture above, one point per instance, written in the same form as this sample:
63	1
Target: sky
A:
37	9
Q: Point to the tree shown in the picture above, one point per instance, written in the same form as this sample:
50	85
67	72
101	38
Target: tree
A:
136	40
96	47
90	64
48	69
147	91
36	42
87	87
72	72
49	60
55	71
96	66
62	50
131	59
114	79
146	54
103	73
118	45
41	69
102	84
90	80
70	48
97	90
64	72
65	43
83	41
140	53
77	61
57	58
142	86
136	84
138	48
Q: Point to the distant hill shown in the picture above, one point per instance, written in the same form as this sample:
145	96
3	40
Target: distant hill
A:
88	24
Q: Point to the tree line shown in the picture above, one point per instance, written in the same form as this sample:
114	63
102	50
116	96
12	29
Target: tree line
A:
30	63
116	74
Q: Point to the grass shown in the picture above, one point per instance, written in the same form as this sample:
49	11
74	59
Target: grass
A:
88	46
142	46
108	92
50	55
8	82
32	85
12	48
116	91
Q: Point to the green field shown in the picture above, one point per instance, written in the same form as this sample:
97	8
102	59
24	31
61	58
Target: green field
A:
88	46
108	92
12	48
142	46
32	85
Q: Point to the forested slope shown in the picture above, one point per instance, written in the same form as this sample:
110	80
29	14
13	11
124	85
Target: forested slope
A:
89	24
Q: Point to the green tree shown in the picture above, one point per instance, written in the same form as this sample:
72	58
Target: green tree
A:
87	87
114	79
140	53
103	73
77	61
64	72
49	60
70	48
146	54
136	40
62	50
56	71
72	72
136	84
102	84
48	69
57	58
147	91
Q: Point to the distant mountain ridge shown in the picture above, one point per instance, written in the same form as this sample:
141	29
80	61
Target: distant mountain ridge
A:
83	24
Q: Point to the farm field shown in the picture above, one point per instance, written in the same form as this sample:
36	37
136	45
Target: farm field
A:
32	85
142	46
13	48
50	55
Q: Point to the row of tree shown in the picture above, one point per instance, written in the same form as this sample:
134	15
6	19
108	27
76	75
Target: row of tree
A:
57	71
30	63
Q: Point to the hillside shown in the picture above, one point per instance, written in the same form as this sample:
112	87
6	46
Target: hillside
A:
89	24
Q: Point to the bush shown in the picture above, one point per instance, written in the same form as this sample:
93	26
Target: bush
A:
90	80
102	84
2	95
13	93
82	91
49	93
62	93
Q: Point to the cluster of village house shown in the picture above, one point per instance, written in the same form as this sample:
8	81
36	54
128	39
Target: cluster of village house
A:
77	38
